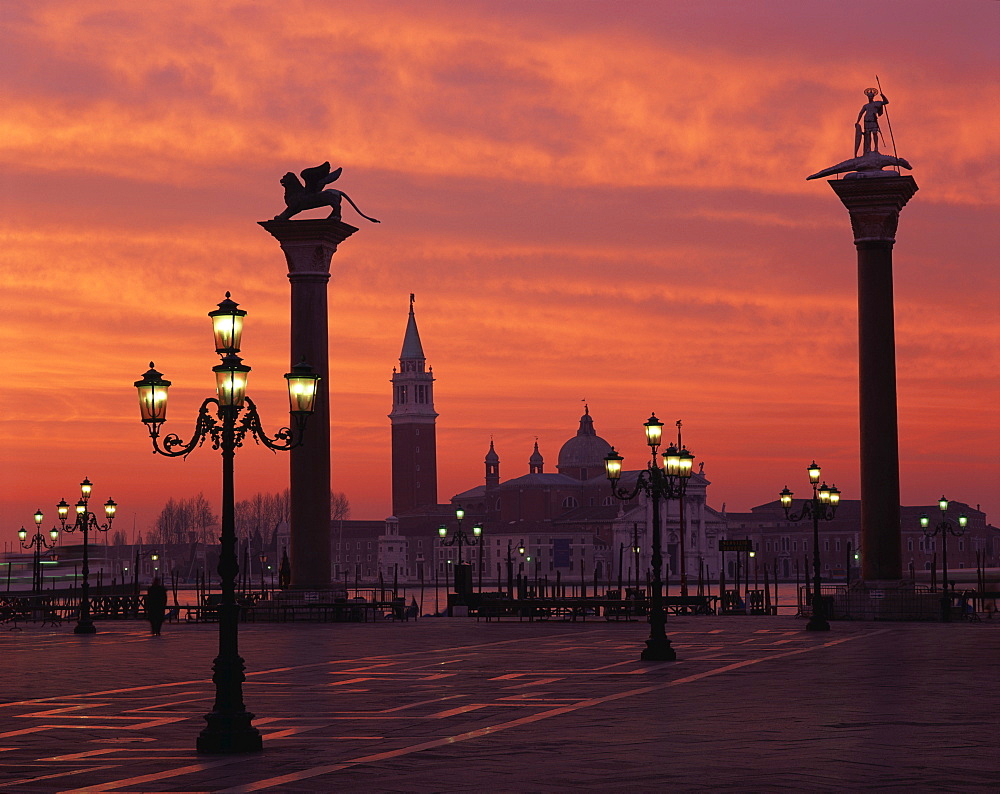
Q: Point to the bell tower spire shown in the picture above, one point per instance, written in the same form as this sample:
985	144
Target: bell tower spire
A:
414	444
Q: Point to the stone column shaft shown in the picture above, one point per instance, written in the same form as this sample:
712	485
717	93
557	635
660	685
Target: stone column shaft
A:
309	246
874	204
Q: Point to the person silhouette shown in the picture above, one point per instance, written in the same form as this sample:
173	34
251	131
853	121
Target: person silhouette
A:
156	606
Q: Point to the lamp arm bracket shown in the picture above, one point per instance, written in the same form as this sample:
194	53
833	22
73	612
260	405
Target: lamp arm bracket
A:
283	440
85	522
626	495
173	446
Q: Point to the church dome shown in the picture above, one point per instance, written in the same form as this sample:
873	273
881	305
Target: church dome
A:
582	457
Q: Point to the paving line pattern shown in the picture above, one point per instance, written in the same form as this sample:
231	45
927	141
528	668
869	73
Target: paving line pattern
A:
414	702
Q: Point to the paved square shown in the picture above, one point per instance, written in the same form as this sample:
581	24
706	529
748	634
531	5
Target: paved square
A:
752	704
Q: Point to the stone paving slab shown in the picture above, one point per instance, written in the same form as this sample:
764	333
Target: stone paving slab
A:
452	705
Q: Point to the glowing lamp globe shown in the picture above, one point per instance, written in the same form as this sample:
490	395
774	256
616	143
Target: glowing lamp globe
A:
613	465
231	381
654	431
152	396
303	384
813	470
227	327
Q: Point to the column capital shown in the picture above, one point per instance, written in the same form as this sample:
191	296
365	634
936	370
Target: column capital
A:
309	245
874	205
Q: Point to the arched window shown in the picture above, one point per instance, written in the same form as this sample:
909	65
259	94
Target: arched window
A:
570	502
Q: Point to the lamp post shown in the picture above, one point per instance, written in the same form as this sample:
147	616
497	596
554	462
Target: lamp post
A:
228	420
682	525
822	505
666	482
944	528
139	556
84	522
37	543
635	550
510	566
462	577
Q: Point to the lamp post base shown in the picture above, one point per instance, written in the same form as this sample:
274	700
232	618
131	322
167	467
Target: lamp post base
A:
658	650
85	627
818	623
227	734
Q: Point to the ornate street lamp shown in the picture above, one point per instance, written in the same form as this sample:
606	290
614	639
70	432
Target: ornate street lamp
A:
944	528
37	543
666	482
462	576
84	522
228	419
153	556
823	505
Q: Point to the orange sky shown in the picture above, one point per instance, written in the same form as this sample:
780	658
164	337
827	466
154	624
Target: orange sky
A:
600	201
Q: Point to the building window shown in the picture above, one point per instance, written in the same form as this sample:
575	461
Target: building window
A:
909	544
826	545
416	432
837	542
607	501
570	502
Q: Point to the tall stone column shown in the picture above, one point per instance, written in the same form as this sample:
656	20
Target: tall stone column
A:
874	203
309	246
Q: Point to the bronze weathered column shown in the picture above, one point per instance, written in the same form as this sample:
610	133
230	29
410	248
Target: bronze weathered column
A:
309	246
874	203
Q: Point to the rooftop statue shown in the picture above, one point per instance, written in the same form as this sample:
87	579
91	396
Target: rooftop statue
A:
870	112
872	162
299	197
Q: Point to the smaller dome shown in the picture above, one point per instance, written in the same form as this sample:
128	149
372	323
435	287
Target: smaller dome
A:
491	456
536	462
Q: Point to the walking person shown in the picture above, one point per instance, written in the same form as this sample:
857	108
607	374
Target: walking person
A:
156	606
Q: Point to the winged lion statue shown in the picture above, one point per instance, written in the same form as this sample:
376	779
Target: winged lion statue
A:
300	197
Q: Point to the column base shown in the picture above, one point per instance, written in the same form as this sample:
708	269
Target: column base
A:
228	734
85	627
658	650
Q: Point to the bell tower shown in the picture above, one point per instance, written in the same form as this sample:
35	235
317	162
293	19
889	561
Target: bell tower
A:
414	444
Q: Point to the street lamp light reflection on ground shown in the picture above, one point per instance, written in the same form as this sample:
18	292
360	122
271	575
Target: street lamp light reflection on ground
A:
666	482
944	528
228	419
84	522
823	505
37	543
